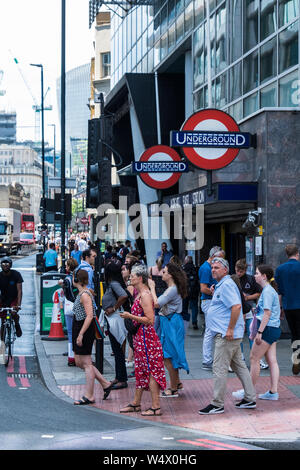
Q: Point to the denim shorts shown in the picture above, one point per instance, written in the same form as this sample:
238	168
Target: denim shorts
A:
270	334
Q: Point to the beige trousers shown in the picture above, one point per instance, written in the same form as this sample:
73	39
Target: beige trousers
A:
228	353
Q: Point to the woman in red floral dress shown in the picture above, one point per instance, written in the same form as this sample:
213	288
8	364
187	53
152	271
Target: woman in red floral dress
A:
148	354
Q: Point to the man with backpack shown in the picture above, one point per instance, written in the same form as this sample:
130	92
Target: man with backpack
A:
193	291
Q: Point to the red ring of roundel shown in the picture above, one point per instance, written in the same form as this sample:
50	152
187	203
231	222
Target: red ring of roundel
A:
193	121
150	181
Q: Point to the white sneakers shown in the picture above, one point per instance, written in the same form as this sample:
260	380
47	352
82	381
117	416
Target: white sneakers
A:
239	395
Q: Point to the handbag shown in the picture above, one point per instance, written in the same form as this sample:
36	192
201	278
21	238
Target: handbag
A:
99	333
130	327
253	326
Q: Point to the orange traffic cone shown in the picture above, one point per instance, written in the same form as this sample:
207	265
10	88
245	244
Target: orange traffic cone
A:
56	330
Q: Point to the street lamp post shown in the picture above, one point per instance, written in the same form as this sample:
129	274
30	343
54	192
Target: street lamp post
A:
43	149
63	129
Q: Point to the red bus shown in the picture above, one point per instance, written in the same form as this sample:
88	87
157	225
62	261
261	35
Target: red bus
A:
27	223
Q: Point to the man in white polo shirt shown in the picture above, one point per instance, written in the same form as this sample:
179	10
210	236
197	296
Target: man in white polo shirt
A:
225	321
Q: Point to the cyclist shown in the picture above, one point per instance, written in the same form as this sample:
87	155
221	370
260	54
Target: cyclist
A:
11	291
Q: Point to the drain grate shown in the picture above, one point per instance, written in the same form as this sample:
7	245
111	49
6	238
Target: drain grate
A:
22	376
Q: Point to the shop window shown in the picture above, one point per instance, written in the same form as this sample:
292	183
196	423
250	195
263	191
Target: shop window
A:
235	30
145	64
198	100
268	96
179	28
221	90
199	57
251	104
236	111
164	18
212	5
157	27
268	20
235	81
171	34
199	11
164	46
288	47
171	10
288	10
268	60
179	6
250	24
139	50
151	60
251	71
156	53
289	90
221	46
188	19
105	62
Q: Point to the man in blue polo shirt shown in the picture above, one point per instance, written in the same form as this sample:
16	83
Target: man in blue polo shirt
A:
50	258
206	281
287	277
225	321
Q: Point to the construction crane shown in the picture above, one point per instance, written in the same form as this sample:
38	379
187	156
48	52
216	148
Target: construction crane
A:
36	107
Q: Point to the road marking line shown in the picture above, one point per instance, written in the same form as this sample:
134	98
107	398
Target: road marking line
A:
227	446
47	436
22	369
199	444
168	438
107	437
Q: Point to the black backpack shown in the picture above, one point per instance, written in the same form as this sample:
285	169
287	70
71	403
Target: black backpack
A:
70	291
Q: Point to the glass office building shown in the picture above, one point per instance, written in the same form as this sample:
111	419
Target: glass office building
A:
173	58
254	49
77	112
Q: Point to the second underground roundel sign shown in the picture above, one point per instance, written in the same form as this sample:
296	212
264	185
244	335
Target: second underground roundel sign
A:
161	153
210	120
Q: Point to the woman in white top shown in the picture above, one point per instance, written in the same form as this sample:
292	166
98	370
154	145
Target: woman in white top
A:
268	333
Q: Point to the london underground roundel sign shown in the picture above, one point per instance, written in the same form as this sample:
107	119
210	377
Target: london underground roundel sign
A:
160	167
212	130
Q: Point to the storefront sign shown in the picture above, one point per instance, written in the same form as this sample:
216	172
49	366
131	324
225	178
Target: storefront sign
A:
211	139
163	167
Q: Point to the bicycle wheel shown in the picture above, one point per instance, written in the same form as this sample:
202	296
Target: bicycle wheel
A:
7	344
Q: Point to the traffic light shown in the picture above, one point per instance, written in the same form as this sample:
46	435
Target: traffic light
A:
92	190
105	181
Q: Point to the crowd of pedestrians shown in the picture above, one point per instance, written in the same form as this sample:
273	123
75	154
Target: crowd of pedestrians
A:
146	311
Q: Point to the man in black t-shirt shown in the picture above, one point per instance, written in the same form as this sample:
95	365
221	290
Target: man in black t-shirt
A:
11	290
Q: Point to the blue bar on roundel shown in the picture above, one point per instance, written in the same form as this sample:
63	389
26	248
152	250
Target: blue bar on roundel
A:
210	139
159	167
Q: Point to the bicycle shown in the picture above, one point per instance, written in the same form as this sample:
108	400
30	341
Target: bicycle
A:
8	333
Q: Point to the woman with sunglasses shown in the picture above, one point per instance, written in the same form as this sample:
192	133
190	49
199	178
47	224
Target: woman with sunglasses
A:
148	355
171	324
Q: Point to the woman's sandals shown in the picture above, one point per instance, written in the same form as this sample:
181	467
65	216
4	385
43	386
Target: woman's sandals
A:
131	409
151	412
137	408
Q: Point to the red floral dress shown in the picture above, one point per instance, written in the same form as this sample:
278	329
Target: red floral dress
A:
148	354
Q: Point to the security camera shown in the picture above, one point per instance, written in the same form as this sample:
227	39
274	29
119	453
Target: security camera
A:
252	220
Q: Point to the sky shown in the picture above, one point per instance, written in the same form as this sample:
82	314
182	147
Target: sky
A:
30	30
